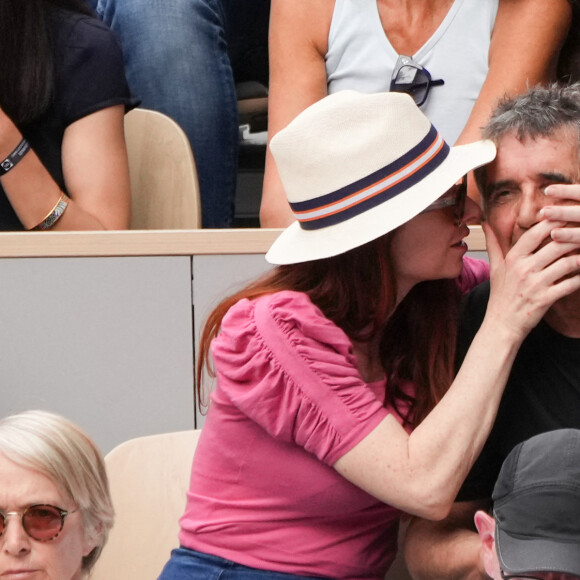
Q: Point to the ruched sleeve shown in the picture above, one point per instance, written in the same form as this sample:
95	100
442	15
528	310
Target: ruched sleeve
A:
283	364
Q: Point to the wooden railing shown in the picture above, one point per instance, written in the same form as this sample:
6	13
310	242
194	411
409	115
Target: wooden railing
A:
153	243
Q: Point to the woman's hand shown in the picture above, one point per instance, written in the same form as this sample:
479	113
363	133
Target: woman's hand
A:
535	273
567	196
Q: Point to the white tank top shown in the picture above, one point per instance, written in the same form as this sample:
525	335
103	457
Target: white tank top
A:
360	57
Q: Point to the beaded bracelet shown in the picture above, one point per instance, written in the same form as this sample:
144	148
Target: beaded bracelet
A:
54	215
21	150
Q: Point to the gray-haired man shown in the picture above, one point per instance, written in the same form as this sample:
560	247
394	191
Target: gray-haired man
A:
533	177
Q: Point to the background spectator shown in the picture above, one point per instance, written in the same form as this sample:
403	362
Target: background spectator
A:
62	102
55	507
183	58
534	531
318	48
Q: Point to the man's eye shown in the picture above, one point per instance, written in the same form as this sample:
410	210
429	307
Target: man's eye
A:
500	196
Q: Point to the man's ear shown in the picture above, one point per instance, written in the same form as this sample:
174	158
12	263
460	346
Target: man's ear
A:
485	525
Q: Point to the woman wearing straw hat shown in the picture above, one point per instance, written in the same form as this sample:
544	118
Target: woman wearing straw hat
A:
456	57
303	467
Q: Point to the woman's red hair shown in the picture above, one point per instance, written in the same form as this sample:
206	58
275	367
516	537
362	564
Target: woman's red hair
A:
357	291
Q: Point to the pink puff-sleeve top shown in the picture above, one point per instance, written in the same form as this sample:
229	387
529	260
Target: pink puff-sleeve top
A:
289	402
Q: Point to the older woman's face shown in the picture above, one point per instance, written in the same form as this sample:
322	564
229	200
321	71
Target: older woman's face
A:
22	557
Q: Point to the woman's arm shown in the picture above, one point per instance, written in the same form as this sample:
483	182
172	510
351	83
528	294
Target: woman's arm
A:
96	173
421	473
525	45
298	44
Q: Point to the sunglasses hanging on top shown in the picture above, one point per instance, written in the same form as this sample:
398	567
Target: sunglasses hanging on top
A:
412	78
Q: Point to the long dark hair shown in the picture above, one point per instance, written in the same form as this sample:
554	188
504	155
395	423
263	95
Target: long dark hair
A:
357	291
27	60
418	347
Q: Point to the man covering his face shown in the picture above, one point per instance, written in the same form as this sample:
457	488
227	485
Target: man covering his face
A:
535	177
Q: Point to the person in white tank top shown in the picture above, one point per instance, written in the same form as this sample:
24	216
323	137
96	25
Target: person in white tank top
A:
482	49
360	56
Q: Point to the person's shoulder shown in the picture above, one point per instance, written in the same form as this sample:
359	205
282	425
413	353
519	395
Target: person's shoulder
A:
288	330
89	68
289	315
87	29
76	30
289	308
303	19
284	304
286	298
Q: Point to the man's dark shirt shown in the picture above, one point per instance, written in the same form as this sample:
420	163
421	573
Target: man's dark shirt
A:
542	394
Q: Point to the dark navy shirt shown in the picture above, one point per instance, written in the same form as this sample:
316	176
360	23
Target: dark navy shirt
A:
89	76
542	393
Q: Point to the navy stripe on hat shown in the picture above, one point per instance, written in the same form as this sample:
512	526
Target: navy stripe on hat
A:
374	189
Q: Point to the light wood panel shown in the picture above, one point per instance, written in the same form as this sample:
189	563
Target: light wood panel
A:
153	243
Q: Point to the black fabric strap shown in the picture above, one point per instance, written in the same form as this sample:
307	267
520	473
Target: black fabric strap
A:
21	150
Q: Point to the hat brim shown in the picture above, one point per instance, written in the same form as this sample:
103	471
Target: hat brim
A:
296	245
517	555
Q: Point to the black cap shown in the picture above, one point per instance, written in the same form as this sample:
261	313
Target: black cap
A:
537	505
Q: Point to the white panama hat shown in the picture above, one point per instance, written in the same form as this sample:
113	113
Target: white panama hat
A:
356	166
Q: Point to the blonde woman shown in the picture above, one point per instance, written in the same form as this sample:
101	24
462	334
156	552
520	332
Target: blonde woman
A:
55	507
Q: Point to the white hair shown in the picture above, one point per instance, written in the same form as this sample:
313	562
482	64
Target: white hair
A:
61	451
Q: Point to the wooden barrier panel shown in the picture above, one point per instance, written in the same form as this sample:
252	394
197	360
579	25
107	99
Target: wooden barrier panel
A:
153	243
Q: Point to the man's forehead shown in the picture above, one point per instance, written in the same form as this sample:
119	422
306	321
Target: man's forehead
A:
566	135
557	153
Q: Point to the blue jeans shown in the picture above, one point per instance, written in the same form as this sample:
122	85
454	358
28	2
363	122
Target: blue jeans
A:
188	564
177	62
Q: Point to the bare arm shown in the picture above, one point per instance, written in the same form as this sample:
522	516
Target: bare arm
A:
447	549
526	42
524	50
95	169
298	43
421	473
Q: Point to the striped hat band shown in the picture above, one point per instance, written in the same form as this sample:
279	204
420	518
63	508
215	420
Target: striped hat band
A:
374	189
